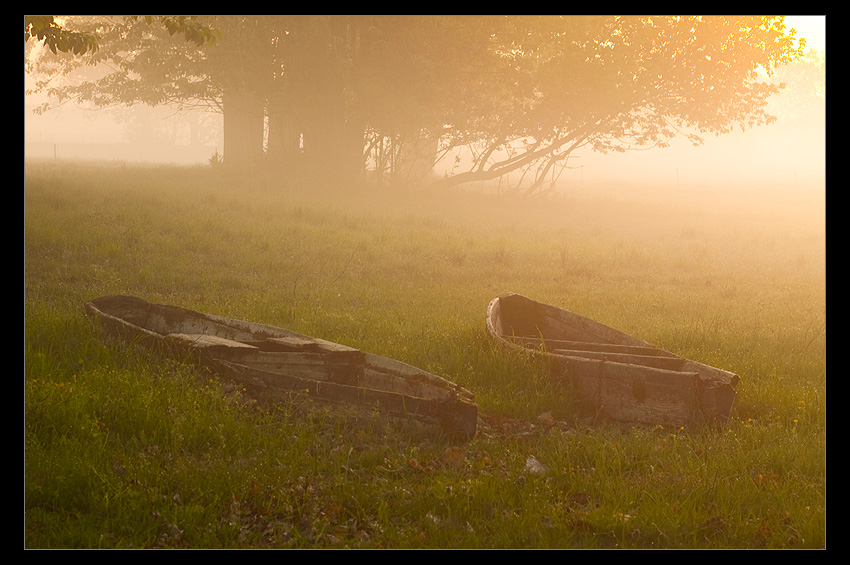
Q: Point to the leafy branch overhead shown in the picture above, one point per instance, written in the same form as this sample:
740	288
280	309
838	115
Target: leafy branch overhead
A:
58	39
46	30
187	26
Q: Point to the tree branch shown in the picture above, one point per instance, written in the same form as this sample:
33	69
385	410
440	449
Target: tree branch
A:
578	136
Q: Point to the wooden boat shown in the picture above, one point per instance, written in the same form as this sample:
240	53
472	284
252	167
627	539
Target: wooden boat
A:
615	376
275	361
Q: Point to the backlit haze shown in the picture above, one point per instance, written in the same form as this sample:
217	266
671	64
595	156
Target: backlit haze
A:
772	155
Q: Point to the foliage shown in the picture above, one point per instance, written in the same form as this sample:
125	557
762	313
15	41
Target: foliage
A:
619	83
517	93
153	77
187	26
47	30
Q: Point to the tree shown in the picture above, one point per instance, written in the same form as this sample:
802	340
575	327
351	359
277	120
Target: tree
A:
515	93
47	30
154	61
323	83
620	83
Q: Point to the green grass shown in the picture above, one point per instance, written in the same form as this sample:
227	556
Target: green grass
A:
125	449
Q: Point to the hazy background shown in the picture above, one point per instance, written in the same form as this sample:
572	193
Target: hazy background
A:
767	155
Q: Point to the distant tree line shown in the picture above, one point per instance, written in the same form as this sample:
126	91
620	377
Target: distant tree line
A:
333	96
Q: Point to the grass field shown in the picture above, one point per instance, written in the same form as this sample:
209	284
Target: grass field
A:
124	449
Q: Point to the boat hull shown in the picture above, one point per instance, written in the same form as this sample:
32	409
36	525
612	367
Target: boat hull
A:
614	375
274	362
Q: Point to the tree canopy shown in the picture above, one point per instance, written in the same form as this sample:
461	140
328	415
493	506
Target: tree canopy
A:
50	32
340	93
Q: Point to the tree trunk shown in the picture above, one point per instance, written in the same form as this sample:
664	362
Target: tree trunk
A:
241	62
333	144
243	130
284	148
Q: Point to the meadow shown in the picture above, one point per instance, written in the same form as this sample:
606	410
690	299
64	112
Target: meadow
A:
123	449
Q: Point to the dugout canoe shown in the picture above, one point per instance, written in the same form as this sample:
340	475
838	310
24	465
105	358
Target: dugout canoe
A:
274	362
614	375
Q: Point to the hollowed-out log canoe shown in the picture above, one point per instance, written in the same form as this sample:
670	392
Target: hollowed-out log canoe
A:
614	375
275	362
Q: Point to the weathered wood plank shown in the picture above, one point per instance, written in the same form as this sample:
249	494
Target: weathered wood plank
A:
657	361
204	341
305	344
619	392
551	344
